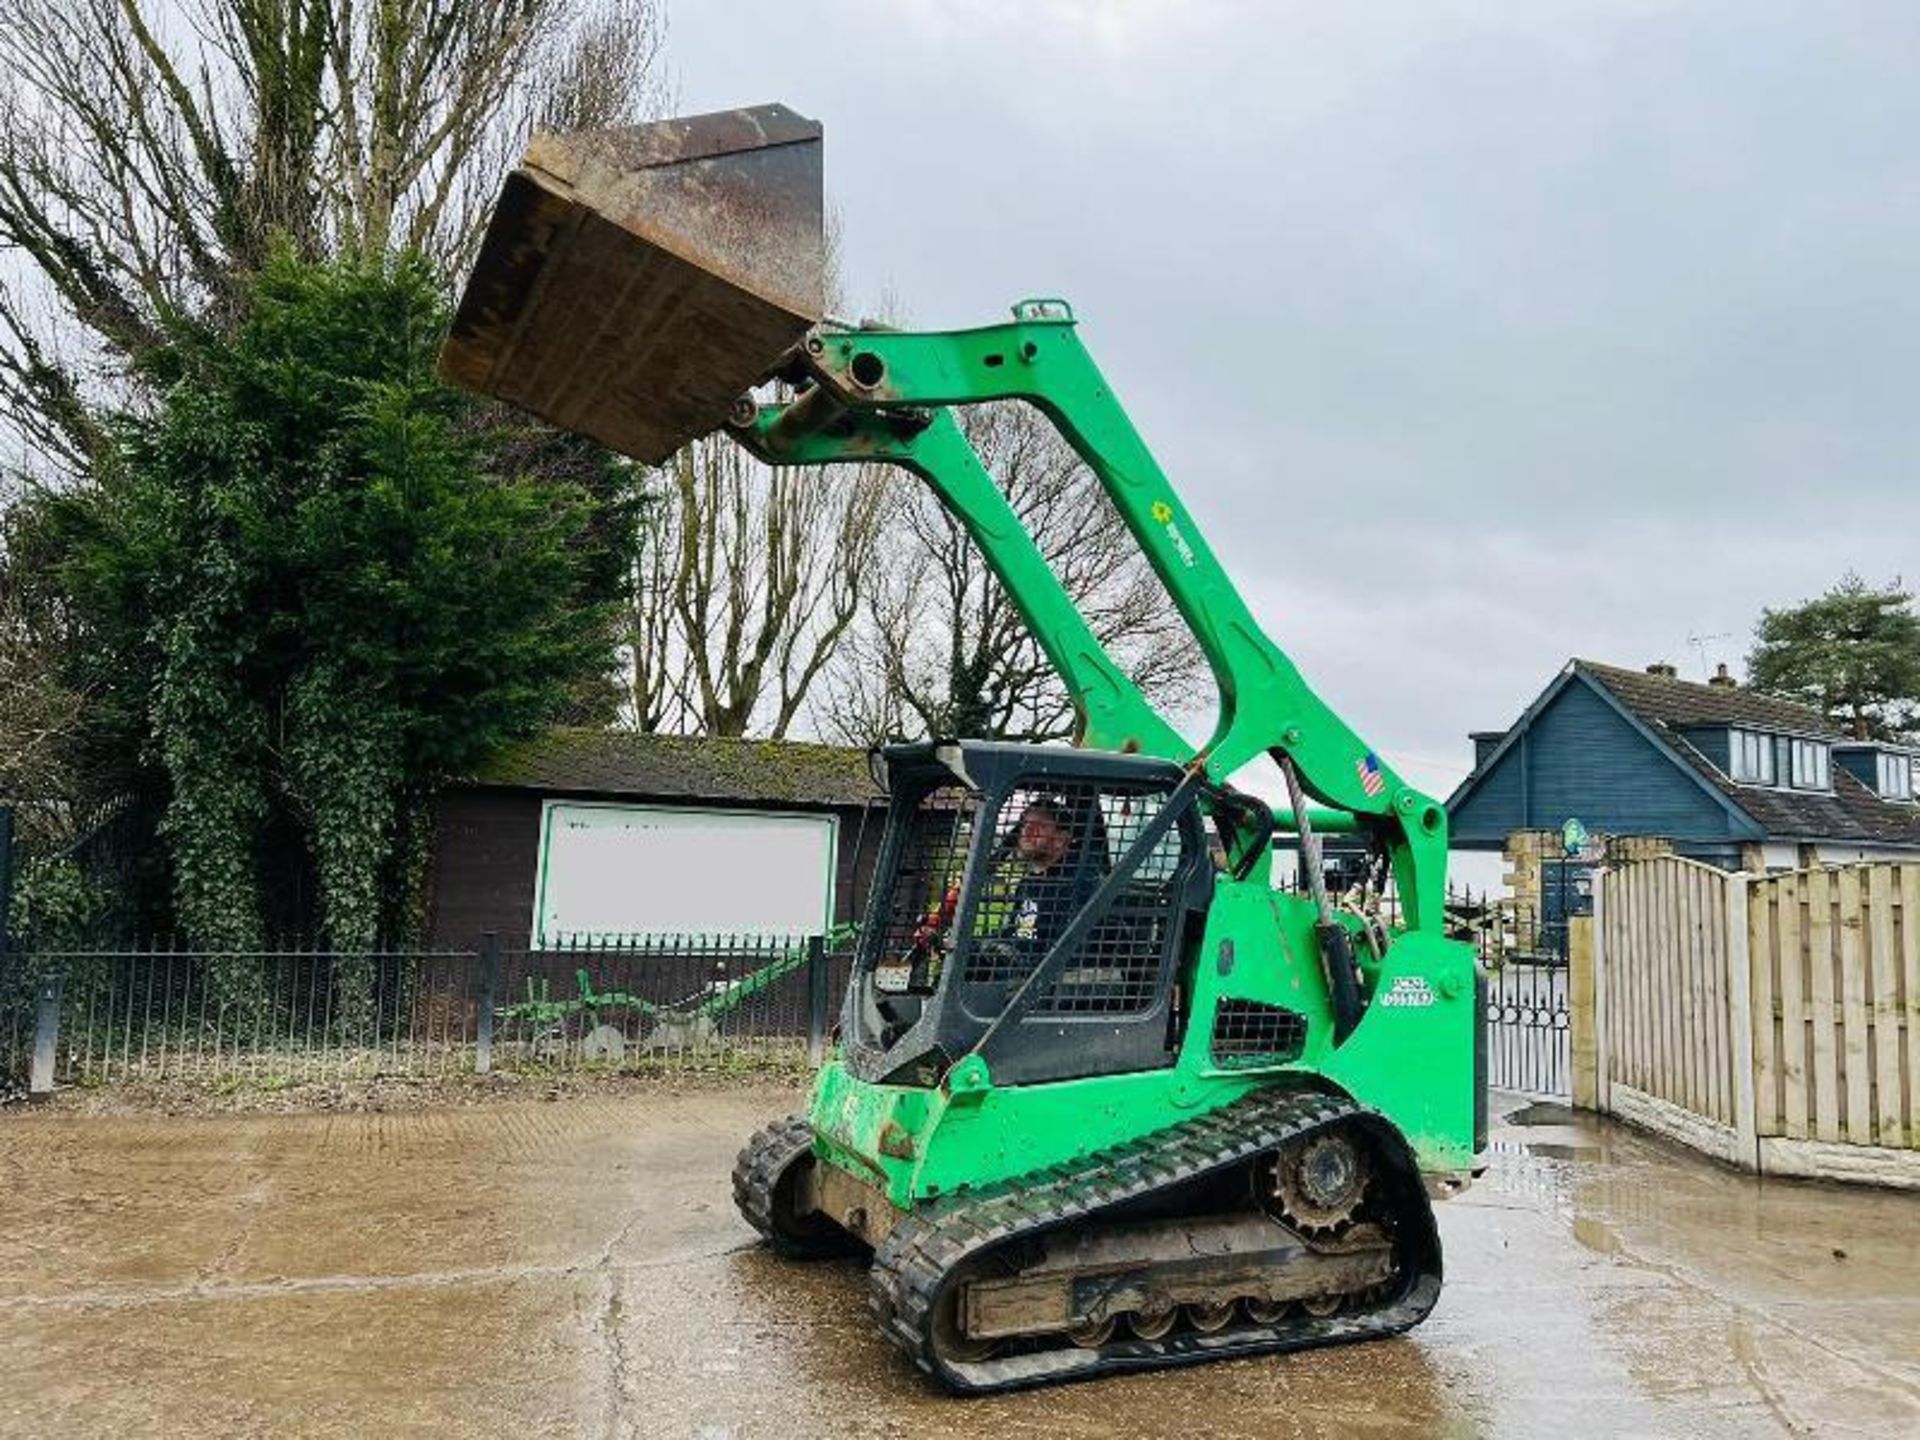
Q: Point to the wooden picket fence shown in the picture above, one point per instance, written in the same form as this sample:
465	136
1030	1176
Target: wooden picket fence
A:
1773	1020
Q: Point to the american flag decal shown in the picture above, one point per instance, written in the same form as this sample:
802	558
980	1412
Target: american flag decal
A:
1371	780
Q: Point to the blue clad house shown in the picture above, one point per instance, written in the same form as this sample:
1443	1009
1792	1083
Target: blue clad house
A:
1740	780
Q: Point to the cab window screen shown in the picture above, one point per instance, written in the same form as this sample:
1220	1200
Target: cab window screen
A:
1054	845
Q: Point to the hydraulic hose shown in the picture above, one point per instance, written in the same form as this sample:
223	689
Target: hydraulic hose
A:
1336	944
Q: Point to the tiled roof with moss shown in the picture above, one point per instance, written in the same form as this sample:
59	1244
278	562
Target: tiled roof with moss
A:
682	767
1683	703
1671	707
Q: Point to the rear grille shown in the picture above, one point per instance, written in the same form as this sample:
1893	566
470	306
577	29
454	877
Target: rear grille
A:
1247	1032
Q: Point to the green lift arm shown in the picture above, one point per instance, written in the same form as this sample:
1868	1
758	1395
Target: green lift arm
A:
882	395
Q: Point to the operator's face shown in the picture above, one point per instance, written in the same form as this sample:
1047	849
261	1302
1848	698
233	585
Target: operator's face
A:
1043	840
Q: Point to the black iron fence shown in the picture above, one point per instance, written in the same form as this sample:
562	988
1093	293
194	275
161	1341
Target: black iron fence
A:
1529	1028
1529	1022
298	1015
679	998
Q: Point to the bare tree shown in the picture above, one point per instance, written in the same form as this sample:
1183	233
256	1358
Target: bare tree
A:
749	582
745	588
151	154
39	713
37	717
656	692
941	649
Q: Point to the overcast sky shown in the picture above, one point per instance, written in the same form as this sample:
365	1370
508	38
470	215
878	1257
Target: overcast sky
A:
1475	335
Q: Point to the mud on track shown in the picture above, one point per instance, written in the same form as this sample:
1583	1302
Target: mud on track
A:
574	1266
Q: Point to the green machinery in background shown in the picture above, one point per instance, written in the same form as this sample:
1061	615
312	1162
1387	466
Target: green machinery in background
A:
1104	1097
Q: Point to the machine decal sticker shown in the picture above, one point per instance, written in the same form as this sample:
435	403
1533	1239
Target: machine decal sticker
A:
1368	768
1163	513
1409	992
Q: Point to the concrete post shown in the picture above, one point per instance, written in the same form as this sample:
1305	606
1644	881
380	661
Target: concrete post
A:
1580	1002
1603	998
46	1038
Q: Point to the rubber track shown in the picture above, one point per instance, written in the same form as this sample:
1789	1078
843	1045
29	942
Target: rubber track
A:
757	1173
920	1258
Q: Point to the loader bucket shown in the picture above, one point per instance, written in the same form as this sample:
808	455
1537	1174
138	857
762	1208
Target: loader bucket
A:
634	281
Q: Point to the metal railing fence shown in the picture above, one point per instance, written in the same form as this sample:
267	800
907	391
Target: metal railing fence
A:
264	1017
676	998
304	1014
1529	1028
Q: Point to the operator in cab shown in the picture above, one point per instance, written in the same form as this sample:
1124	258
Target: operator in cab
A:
1052	888
1025	915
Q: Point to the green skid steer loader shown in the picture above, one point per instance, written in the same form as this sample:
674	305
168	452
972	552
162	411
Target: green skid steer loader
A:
1104	1098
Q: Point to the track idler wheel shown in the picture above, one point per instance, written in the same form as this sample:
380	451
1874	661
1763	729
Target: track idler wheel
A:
950	1338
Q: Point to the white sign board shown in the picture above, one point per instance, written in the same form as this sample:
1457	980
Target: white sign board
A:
611	870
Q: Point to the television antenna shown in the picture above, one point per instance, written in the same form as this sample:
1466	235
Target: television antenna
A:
1698	644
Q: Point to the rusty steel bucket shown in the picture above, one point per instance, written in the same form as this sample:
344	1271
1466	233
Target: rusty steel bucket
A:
634	281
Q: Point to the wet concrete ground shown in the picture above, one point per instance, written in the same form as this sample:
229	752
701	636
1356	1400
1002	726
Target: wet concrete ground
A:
577	1268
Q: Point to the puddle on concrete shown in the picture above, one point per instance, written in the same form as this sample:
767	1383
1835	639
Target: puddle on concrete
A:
1733	1300
1548	1150
1543	1112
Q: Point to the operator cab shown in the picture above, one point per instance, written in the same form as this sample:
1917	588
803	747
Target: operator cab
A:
1039	899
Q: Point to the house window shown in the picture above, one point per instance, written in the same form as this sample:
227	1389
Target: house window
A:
1896	776
1752	758
1810	766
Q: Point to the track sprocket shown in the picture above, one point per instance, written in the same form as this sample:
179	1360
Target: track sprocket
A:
1317	1183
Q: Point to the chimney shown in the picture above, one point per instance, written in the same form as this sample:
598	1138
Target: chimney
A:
1485	742
1720	680
1662	669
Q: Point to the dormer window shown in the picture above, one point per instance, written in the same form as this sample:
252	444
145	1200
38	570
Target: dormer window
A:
1896	776
1752	755
1812	764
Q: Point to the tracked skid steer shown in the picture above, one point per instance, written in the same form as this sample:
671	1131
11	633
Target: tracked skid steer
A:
1104	1096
